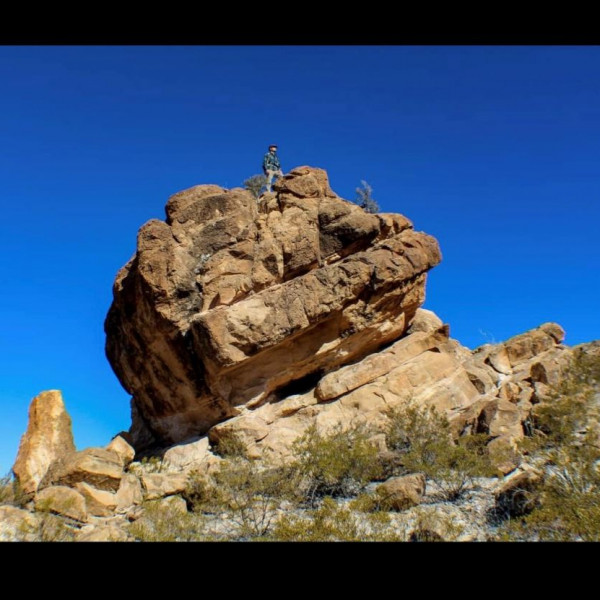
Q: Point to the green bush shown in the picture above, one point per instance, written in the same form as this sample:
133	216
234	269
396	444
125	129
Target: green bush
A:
565	438
423	439
255	184
6	489
339	464
332	522
162	522
248	494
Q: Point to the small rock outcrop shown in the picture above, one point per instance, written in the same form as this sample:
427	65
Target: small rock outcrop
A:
48	437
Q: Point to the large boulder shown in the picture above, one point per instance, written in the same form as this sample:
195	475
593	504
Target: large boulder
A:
98	467
229	302
48	437
63	501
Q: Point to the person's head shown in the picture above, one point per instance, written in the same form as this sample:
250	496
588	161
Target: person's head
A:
272	148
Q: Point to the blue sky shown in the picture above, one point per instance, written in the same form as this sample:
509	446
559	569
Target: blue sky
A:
494	150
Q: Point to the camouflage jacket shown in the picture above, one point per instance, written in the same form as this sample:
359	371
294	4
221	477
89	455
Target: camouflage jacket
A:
271	162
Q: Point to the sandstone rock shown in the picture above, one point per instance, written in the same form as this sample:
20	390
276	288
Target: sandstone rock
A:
98	467
129	493
62	500
98	502
102	533
504	456
349	378
159	485
527	345
18	525
190	454
400	493
501	418
174	504
425	320
517	495
48	437
122	448
224	306
499	360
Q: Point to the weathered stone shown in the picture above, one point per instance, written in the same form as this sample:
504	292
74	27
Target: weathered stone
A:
98	467
48	437
527	345
349	378
102	533
189	454
518	495
18	525
98	502
501	418
122	447
129	493
400	493
425	320
504	456
174	504
62	500
224	305
159	485
499	360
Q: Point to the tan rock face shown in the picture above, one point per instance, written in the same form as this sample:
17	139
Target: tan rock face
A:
62	500
159	485
400	493
228	302
18	525
99	503
48	437
98	467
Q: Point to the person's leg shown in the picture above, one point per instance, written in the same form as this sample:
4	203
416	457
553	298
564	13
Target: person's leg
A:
269	179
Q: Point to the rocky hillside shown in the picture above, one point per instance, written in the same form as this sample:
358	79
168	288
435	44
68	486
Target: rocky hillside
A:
255	329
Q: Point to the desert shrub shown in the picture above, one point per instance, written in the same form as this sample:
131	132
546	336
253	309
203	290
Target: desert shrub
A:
332	522
247	493
423	438
566	507
338	464
431	525
559	419
6	489
162	522
230	446
255	184
364	198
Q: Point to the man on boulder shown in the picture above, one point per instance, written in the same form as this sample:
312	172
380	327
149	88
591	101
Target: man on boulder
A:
271	165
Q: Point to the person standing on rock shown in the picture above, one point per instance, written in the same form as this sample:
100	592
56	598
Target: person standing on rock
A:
271	165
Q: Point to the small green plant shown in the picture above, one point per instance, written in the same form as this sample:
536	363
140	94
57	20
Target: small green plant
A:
247	493
566	505
166	523
423	439
364	198
152	464
255	184
338	464
6	489
433	525
332	522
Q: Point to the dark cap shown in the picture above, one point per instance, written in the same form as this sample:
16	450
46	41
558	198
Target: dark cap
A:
272	146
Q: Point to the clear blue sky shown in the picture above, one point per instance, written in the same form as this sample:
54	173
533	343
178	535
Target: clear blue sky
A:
493	150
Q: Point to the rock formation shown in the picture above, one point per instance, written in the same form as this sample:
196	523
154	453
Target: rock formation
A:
254	321
228	303
48	437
